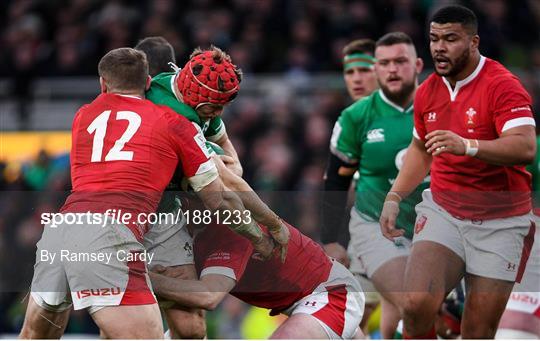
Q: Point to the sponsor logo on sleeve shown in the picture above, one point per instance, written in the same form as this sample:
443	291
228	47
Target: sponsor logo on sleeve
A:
432	117
524	108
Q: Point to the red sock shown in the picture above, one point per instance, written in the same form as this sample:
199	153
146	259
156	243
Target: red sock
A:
430	335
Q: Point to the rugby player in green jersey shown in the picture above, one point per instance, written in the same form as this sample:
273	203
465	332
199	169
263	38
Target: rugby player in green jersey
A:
372	136
360	81
199	93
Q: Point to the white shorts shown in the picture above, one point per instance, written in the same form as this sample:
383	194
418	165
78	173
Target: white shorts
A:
371	249
525	297
337	304
170	243
93	267
497	248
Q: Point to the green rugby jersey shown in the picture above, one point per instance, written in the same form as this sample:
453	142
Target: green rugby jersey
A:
161	92
375	134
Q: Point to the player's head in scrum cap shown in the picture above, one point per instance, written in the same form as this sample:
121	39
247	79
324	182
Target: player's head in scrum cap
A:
124	71
358	68
397	67
209	81
159	53
454	40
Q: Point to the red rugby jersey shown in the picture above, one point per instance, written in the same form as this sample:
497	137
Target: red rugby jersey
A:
482	106
266	284
124	153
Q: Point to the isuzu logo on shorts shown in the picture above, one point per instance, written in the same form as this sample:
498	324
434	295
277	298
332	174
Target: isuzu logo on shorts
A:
98	292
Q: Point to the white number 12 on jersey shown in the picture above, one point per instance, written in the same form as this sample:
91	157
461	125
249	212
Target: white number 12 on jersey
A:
99	126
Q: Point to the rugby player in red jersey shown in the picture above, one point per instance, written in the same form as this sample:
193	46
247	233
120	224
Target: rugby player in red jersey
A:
322	298
124	152
171	244
474	129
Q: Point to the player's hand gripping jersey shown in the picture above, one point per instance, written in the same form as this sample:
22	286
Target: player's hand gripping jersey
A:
482	106
124	153
374	133
308	282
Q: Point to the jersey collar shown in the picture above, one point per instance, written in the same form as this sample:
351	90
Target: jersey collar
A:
130	96
392	104
174	88
463	82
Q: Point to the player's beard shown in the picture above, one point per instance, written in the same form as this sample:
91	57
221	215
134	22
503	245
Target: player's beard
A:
457	65
403	94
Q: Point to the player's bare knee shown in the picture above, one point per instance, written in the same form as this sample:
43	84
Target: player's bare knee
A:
186	323
415	303
41	323
197	327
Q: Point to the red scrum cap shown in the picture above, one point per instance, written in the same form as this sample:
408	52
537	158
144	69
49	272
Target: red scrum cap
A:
209	77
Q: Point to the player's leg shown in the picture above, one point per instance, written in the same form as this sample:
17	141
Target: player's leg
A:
434	267
172	248
385	263
115	290
42	323
130	321
359	271
301	326
497	252
184	323
388	280
484	304
521	318
333	310
48	308
390	317
432	270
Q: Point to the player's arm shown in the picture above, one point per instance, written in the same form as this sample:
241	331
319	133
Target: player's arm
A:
260	211
416	164
205	293
337	180
345	148
515	146
202	175
216	198
225	143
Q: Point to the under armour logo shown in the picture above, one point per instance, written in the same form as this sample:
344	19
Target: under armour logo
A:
511	267
310	303
432	117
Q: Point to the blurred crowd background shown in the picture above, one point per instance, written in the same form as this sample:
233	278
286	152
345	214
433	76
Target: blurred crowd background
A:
281	123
